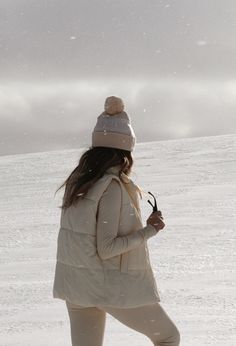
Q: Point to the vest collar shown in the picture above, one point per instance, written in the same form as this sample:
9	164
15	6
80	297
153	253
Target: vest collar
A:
115	170
129	185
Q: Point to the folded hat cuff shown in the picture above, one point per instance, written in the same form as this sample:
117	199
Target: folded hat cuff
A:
113	140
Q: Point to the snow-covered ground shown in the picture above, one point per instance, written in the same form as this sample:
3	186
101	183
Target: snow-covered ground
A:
193	258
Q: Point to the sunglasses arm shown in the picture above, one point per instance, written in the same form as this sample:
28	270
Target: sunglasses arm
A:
155	202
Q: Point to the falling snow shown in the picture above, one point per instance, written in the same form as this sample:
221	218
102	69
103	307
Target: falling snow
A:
193	258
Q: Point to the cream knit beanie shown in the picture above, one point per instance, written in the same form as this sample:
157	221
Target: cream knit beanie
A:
113	128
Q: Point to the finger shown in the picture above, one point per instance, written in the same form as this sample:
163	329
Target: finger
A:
160	218
159	223
158	212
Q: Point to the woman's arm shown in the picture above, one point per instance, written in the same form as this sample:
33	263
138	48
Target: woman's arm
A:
109	244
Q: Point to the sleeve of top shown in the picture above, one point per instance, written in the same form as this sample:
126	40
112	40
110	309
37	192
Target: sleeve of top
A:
109	244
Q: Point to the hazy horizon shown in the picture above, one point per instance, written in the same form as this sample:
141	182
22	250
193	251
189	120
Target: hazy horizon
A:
173	63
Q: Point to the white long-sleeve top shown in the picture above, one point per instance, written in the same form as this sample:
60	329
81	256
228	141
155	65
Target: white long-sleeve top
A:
109	244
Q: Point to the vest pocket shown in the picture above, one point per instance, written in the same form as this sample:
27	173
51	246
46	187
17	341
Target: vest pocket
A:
136	259
124	260
112	262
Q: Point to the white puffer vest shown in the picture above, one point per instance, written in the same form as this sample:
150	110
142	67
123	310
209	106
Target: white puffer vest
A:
82	277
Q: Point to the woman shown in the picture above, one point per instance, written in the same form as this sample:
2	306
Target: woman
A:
103	263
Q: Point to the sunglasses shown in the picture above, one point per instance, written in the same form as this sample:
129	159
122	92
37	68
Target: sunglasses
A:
155	202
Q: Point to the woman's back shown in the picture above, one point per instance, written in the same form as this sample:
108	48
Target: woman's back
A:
102	255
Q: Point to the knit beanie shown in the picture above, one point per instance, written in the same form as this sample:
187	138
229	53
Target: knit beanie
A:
113	128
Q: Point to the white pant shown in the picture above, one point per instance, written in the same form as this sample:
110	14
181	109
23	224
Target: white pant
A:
88	324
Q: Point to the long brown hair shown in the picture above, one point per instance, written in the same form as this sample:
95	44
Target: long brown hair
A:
92	165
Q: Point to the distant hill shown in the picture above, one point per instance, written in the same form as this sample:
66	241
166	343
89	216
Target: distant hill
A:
193	258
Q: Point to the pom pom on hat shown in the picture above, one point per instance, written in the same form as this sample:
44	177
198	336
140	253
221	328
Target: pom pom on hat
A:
113	105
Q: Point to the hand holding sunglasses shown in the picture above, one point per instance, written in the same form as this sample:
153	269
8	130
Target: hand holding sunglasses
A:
156	218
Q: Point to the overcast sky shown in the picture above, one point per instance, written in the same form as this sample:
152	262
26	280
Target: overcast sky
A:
172	62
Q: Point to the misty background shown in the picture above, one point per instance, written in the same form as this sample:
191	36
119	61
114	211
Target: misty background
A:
172	62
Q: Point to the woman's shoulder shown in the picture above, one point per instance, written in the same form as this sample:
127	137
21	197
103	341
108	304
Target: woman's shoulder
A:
113	188
102	184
